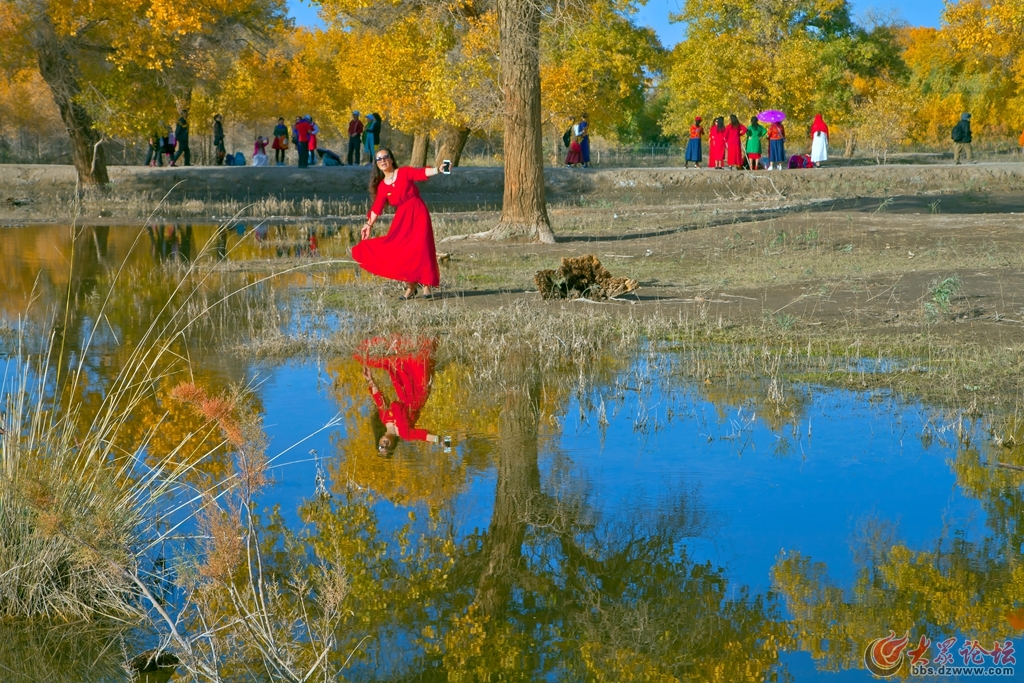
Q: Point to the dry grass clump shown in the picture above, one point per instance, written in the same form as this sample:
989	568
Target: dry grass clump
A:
582	277
75	508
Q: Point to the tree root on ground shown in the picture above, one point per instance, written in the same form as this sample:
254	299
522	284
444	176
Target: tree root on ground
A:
582	277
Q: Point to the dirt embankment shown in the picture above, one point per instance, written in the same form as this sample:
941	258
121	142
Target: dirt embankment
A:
23	188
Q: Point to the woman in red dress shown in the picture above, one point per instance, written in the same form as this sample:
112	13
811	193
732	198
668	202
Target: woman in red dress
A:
716	144
409	363
407	253
733	146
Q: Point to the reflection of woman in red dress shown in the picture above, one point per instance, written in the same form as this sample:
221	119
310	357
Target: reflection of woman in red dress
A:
716	144
407	252
409	364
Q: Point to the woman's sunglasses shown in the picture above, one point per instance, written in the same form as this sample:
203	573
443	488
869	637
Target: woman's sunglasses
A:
383	158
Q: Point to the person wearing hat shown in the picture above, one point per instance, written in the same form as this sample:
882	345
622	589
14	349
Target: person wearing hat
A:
355	138
693	147
962	139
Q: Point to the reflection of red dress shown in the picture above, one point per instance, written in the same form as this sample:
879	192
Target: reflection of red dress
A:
410	366
407	252
733	147
716	147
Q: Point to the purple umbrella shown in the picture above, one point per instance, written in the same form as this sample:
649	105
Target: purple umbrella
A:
771	116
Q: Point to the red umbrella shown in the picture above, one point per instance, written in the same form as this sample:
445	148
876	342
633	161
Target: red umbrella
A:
771	116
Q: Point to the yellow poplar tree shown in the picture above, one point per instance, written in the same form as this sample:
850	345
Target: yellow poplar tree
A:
107	62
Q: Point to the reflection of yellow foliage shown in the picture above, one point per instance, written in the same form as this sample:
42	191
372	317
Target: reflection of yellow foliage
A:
622	665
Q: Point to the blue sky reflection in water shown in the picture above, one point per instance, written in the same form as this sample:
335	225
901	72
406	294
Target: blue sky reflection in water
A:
849	463
836	469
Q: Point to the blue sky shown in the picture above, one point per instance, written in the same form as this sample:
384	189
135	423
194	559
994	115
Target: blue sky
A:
655	14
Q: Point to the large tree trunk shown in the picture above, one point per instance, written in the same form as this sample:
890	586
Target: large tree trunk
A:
523	209
420	145
452	142
62	76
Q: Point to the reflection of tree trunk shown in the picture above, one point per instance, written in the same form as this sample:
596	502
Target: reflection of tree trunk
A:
517	493
523	209
100	234
62	76
450	146
420	144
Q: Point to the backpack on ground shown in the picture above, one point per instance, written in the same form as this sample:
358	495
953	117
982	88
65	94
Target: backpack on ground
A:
958	133
239	159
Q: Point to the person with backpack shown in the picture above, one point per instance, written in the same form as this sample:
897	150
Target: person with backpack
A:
962	139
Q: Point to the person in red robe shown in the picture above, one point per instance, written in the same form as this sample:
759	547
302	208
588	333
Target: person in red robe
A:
407	252
409	363
733	147
716	144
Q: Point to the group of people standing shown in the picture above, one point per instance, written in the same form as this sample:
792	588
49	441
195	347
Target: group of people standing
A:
728	149
168	146
304	136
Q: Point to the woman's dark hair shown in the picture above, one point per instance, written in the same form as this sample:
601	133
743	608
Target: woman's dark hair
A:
754	122
377	175
734	121
379	430
719	124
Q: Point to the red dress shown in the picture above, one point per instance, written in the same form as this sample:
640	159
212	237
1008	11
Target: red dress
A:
575	155
410	370
407	252
733	147
716	147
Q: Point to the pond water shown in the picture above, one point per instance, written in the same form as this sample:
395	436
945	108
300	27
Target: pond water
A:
641	525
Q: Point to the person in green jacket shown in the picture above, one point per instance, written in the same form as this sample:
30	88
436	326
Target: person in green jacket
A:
755	133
